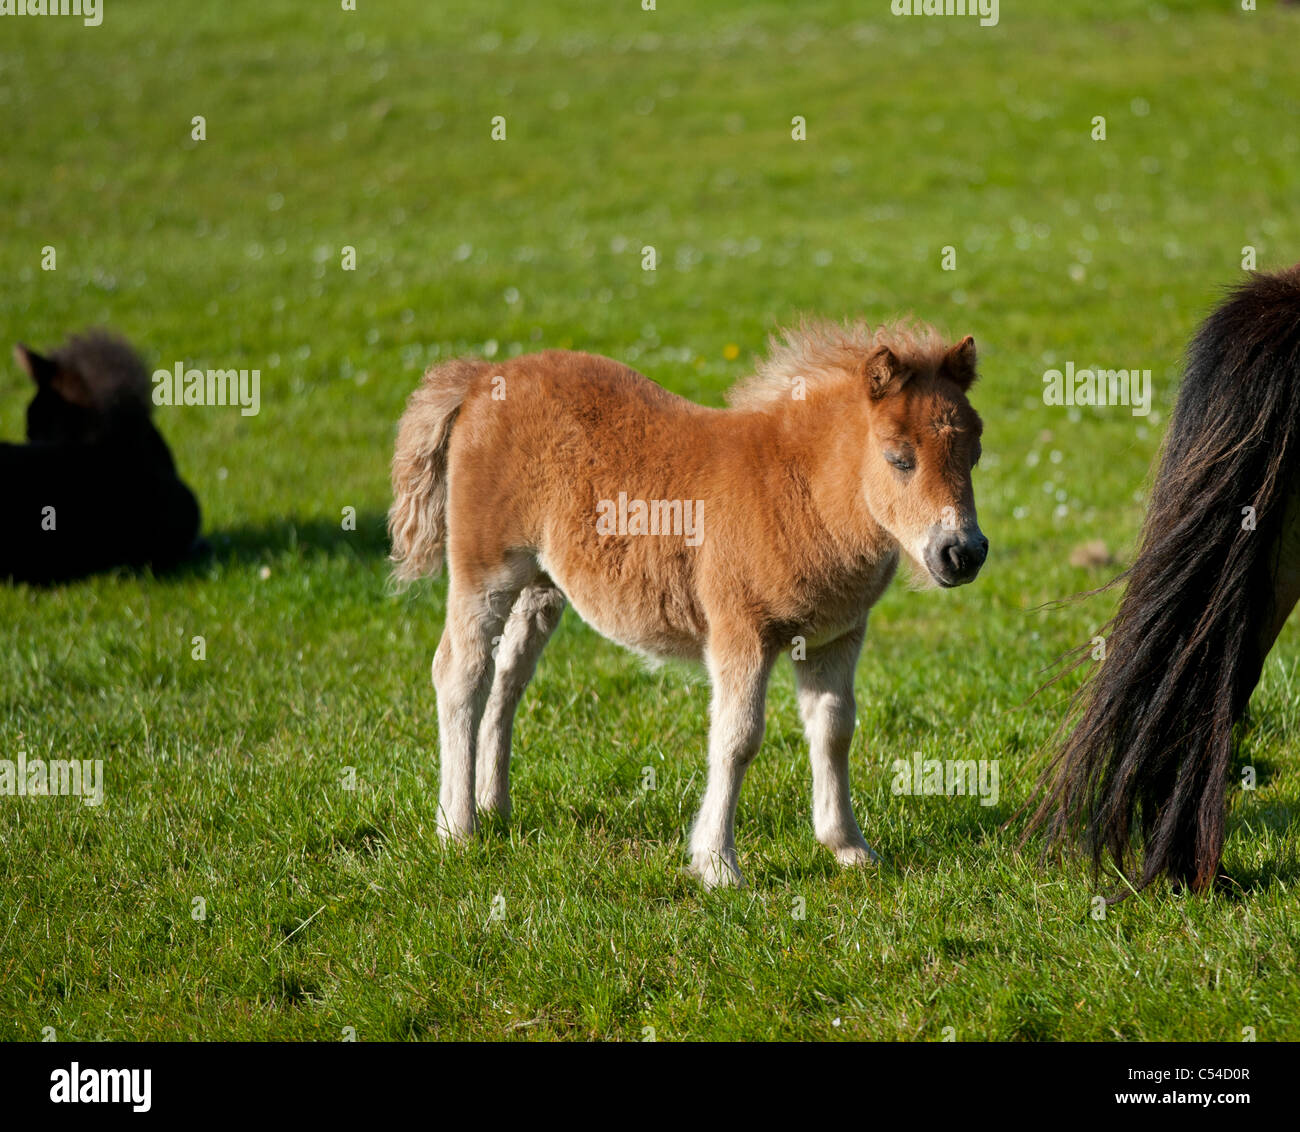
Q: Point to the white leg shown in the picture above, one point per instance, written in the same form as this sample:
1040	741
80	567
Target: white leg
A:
462	678
824	680
735	732
531	622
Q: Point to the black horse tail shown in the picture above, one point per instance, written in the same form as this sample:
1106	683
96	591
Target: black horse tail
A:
1153	737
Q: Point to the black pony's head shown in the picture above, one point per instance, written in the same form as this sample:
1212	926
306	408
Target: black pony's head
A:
92	390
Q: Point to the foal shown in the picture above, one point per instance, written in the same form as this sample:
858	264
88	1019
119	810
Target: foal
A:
721	535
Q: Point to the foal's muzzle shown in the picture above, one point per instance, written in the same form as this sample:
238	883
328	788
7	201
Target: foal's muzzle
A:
955	557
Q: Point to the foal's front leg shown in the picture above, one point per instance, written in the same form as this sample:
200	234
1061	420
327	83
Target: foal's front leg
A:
739	678
824	679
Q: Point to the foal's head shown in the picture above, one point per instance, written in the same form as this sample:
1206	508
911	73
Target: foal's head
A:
898	396
923	439
92	389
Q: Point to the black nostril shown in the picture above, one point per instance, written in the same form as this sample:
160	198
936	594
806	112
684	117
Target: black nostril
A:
965	556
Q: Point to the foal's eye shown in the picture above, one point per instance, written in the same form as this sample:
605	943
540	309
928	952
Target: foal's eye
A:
900	461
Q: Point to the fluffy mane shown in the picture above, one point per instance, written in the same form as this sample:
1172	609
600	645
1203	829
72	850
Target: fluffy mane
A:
112	371
824	352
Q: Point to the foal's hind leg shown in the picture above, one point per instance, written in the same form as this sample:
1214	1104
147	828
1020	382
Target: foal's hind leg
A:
531	622
824	680
462	677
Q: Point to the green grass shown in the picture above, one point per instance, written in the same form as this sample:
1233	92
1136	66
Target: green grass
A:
329	908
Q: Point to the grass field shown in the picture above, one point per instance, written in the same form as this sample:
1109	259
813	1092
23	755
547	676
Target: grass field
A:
326	907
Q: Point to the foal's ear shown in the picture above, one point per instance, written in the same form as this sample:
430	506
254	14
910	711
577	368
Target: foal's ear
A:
68	384
959	363
38	368
884	372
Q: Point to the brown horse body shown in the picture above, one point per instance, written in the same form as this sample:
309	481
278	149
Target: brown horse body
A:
726	536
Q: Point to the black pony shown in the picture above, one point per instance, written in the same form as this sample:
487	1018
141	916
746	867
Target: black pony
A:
94	487
1216	574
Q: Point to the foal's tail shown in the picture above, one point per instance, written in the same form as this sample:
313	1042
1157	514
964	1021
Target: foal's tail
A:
417	520
1152	744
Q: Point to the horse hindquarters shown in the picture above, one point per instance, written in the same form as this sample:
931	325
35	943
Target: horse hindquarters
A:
1150	752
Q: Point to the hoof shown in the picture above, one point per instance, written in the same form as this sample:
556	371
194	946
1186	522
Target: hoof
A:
454	833
717	870
493	810
854	855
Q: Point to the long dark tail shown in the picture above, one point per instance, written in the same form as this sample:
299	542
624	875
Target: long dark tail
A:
1152	742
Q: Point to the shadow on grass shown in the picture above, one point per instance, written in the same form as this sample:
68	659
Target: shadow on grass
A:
1236	883
252	543
1241	882
256	543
